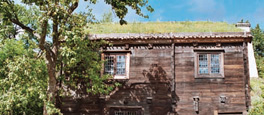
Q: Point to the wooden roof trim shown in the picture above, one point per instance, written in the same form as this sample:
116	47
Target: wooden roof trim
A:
189	40
135	36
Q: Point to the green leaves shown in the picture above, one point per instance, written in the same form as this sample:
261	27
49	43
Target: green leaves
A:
120	7
73	60
81	59
258	41
258	44
257	84
23	79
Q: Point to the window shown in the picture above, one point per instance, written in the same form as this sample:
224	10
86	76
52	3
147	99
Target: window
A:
126	111
209	64
117	64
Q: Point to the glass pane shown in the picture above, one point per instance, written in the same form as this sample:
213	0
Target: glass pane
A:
203	64
109	65
215	63
120	65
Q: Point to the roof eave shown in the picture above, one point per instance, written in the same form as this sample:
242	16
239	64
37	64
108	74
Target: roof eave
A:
197	37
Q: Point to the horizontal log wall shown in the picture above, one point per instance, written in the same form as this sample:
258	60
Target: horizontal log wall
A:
150	77
210	90
81	106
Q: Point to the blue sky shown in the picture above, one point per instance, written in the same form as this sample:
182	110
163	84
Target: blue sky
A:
230	11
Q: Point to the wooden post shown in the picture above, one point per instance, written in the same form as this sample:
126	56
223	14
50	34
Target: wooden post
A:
246	75
173	66
173	86
102	69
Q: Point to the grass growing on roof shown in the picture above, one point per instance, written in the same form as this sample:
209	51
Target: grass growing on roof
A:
163	27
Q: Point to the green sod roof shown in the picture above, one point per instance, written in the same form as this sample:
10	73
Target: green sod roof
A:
163	27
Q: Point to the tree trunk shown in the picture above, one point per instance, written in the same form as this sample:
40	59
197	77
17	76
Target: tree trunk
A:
52	89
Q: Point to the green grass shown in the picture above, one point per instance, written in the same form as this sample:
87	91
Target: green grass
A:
256	91
257	99
163	27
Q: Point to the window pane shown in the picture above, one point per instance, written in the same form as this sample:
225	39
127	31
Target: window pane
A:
215	63
203	64
120	64
109	65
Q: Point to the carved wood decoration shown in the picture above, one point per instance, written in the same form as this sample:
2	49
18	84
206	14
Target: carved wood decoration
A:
196	100
218	44
127	46
150	46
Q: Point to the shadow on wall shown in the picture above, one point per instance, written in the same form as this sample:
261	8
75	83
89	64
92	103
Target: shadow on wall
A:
154	96
160	83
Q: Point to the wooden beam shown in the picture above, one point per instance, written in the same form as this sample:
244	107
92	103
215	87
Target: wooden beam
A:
177	41
246	75
173	85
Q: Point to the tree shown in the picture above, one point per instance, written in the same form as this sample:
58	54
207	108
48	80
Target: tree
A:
23	78
70	55
257	84
258	44
107	17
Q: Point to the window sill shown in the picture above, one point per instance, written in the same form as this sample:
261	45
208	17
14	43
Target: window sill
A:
121	77
206	77
209	79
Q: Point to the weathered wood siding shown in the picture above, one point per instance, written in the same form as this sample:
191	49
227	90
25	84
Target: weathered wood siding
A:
81	106
209	90
150	76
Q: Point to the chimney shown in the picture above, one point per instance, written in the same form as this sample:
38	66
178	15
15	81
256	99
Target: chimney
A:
243	26
253	72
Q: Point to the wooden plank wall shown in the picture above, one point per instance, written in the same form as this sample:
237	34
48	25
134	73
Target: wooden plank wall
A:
210	90
150	76
81	106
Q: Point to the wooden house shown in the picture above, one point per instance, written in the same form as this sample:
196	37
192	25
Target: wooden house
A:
183	73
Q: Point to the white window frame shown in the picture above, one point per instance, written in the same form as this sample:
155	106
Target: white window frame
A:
127	55
209	75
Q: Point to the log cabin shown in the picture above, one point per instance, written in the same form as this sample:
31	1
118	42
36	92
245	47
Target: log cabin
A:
173	73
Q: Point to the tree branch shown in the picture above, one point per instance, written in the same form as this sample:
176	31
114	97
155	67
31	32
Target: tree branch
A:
73	6
55	37
43	34
14	19
17	22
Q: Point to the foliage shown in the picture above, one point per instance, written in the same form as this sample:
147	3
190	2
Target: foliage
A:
107	17
120	8
257	96
258	40
164	27
258	44
23	79
81	59
71	59
257	88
